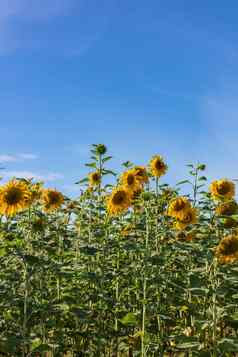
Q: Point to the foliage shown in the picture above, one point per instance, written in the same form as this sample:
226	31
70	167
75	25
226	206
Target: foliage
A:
76	280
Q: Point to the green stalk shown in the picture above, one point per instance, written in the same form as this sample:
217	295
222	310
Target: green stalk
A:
25	308
143	353
214	307
117	299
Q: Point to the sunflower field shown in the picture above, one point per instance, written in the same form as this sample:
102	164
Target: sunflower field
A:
137	268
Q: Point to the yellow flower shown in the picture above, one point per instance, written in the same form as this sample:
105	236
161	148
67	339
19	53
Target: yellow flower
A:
35	192
14	197
178	207
38	225
227	250
94	178
230	222
190	217
127	230
119	201
130	181
158	166
222	189
52	199
227	208
186	236
141	174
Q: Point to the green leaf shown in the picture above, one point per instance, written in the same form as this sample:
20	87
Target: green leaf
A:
42	348
202	178
106	158
92	164
183	182
129	319
228	345
82	181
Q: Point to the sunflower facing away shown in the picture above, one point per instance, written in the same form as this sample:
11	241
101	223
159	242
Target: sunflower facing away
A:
227	250
35	190
141	174
118	201
186	236
229	223
94	178
222	189
52	199
190	217
130	181
14	197
178	207
227	208
157	166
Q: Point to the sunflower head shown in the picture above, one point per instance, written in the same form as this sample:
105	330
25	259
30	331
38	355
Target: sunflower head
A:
35	192
227	250
14	197
190	217
186	236
178	207
94	178
130	181
127	230
227	208
141	174
119	201
229	223
158	166
52	199
101	149
222	189
38	225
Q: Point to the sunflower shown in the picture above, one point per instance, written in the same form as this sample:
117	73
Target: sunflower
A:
158	166
190	217
35	192
127	230
94	178
52	199
186	236
227	208
14	197
130	181
38	225
178	207
227	250
222	189
118	201
230	222
141	174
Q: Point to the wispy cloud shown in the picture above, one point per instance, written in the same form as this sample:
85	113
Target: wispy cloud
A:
27	24
29	175
5	158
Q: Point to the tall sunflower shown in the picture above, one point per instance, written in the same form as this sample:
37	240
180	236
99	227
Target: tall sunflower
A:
94	178
179	207
157	166
190	217
119	201
227	250
141	174
52	200
14	197
227	208
130	181
222	189
35	190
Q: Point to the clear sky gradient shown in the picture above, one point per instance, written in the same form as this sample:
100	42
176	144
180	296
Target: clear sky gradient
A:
143	77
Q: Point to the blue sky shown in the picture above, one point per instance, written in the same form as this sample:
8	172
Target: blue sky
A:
142	77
